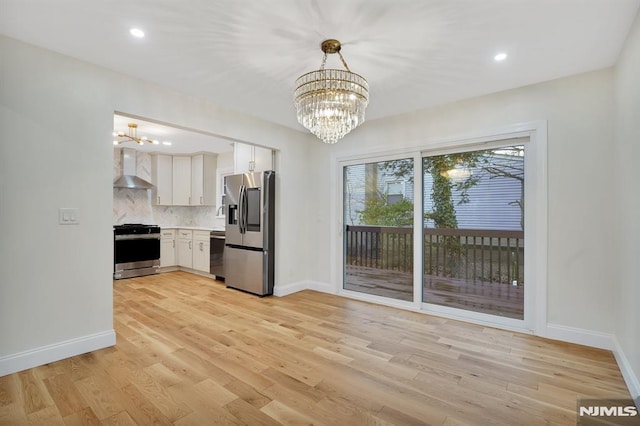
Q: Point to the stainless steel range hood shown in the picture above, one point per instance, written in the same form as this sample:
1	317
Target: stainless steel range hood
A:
129	179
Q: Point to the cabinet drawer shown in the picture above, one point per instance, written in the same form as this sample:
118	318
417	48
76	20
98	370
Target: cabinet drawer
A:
167	233
185	233
201	235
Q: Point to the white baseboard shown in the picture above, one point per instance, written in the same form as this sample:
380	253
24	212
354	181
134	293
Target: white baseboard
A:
284	290
580	336
630	378
43	355
321	287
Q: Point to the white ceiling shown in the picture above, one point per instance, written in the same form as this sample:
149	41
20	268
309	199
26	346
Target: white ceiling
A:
247	54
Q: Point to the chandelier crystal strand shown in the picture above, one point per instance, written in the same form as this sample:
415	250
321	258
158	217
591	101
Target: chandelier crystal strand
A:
331	102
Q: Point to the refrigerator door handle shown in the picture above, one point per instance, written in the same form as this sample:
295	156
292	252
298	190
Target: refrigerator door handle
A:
239	210
245	210
241	207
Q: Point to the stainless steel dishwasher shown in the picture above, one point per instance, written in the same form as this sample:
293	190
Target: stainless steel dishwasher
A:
216	263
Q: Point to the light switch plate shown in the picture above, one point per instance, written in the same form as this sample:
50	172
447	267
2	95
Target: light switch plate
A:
68	216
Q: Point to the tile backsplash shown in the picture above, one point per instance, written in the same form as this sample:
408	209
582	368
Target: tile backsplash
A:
134	205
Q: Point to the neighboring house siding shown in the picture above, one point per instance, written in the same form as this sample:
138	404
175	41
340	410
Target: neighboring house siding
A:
354	193
355	188
492	201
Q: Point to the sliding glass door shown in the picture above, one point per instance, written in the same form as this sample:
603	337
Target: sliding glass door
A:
378	208
473	231
444	230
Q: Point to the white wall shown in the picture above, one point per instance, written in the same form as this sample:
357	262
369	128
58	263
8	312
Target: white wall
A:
624	212
225	160
56	118
579	112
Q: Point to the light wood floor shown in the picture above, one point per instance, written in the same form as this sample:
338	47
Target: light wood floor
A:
190	351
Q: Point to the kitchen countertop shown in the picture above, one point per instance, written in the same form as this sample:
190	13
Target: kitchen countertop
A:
193	228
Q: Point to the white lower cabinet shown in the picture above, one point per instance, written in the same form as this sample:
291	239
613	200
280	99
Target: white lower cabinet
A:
193	248
201	250
185	248
167	247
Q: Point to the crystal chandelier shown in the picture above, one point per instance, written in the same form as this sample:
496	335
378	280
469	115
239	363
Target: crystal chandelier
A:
331	103
133	136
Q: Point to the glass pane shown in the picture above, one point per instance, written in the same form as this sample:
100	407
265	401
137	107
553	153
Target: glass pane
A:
378	237
474	231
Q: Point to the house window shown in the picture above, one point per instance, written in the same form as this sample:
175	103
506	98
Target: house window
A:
394	191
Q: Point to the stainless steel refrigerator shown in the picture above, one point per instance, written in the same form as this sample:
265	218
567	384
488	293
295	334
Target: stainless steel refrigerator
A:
249	231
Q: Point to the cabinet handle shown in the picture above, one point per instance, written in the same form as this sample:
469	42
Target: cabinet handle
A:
201	202
174	243
190	247
200	246
189	200
158	199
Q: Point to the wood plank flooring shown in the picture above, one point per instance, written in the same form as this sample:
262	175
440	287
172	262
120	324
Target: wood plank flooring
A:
192	352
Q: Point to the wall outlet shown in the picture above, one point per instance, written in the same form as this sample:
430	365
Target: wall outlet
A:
68	216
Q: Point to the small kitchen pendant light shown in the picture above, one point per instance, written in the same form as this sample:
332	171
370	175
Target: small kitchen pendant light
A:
132	136
330	102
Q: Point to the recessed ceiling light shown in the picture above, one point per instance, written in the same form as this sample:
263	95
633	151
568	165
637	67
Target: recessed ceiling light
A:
156	142
136	32
166	143
500	57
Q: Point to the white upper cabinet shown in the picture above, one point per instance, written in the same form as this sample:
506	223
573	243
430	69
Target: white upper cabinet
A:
181	180
203	180
250	158
184	180
242	157
162	178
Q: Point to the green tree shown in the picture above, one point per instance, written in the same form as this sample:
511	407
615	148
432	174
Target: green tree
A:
439	167
377	211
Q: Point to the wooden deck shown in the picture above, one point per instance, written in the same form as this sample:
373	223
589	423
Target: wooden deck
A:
490	298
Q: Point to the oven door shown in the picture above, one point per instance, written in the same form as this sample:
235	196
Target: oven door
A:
135	251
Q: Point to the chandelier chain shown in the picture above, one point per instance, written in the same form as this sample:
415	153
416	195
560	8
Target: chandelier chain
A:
324	61
343	61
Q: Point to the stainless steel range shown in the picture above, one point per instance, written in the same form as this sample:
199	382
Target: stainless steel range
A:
136	250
